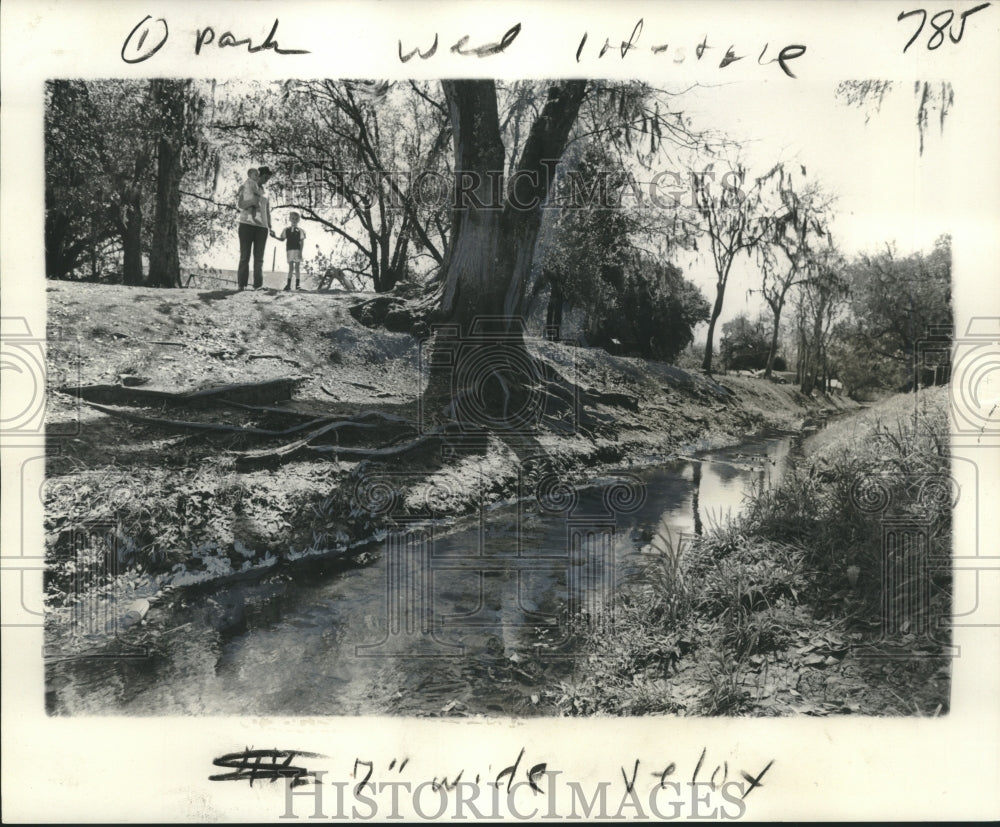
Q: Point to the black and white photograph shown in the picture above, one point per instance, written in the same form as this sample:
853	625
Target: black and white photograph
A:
649	392
495	451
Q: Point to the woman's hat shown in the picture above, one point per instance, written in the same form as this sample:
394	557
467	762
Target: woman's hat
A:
264	170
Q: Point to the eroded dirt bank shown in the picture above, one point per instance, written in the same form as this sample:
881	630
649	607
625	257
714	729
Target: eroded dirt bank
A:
199	491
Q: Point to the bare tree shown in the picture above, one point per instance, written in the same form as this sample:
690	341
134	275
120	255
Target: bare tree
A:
729	218
792	237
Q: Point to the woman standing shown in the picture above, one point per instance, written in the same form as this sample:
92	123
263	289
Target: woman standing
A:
255	224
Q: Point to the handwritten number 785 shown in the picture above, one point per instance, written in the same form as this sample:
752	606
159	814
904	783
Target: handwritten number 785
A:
939	23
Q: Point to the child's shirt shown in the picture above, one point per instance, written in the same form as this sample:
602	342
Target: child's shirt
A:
294	237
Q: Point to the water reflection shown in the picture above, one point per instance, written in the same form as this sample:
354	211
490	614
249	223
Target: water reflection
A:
696	496
473	618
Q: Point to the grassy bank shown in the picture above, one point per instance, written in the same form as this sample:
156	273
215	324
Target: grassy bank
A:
784	610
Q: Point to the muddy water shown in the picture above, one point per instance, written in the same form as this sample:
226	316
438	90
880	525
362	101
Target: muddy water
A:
467	622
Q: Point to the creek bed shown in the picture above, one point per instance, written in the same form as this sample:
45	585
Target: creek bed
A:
471	621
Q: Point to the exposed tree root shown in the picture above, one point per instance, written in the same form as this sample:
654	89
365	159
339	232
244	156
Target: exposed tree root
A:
271	390
289	412
220	427
552	403
293	450
617	400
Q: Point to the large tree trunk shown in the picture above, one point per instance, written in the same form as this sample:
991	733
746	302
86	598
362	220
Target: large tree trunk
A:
493	237
472	285
164	262
131	230
554	312
483	365
60	258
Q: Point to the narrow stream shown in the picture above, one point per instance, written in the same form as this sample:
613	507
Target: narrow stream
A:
470	623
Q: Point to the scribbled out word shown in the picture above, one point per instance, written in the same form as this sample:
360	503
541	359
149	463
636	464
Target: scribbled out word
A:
264	765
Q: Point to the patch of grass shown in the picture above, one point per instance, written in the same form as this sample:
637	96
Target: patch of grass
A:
806	556
896	466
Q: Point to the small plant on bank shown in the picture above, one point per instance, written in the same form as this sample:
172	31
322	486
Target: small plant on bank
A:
726	695
661	574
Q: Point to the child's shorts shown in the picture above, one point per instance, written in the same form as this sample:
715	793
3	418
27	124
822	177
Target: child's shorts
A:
294	256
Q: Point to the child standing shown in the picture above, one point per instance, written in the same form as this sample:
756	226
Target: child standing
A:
294	238
250	192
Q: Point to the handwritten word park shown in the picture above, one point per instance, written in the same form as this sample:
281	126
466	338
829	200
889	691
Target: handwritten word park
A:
149	36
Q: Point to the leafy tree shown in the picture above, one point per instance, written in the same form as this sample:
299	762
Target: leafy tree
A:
592	259
366	161
187	160
822	299
114	151
731	219
657	309
897	302
78	224
587	234
99	154
745	344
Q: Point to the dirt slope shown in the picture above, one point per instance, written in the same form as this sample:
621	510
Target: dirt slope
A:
186	506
